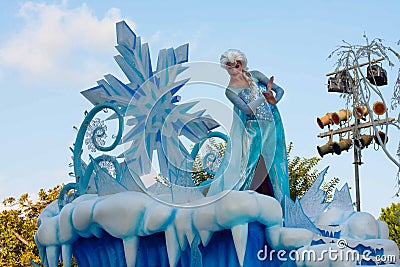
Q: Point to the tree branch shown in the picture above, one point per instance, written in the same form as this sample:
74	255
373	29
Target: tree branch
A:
20	238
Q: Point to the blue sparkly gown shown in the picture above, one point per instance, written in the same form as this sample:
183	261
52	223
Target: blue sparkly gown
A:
256	134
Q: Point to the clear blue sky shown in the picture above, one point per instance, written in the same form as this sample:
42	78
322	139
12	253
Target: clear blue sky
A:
52	50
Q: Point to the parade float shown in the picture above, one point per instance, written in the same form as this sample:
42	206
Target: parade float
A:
109	217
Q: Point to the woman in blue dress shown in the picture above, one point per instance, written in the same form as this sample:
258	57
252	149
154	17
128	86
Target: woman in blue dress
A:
256	152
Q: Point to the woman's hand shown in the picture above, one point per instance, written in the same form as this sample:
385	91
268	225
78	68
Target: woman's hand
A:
270	83
269	95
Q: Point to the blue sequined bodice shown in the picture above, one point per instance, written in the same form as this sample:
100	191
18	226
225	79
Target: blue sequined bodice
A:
263	111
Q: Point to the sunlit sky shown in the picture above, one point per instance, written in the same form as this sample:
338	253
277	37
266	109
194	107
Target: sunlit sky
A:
52	50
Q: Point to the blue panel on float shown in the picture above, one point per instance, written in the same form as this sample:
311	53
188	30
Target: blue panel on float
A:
220	251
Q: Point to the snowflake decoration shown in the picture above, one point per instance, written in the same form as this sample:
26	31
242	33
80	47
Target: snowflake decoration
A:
109	167
149	102
96	134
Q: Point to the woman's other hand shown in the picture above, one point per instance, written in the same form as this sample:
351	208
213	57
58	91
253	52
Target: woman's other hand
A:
270	83
269	97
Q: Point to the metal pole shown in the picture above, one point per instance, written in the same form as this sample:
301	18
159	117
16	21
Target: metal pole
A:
354	67
356	134
357	176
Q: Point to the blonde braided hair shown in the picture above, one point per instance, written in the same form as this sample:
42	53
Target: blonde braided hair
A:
233	56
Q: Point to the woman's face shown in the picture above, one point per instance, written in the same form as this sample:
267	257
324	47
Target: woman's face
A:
234	68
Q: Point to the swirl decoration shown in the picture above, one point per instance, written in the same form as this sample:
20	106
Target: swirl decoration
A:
66	195
96	135
95	132
210	157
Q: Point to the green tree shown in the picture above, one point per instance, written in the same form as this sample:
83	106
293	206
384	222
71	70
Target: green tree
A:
391	215
301	173
329	188
18	227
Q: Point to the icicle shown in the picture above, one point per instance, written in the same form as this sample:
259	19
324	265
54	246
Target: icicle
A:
131	246
66	253
173	248
52	253
196	259
184	229
42	253
205	237
34	264
240	233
